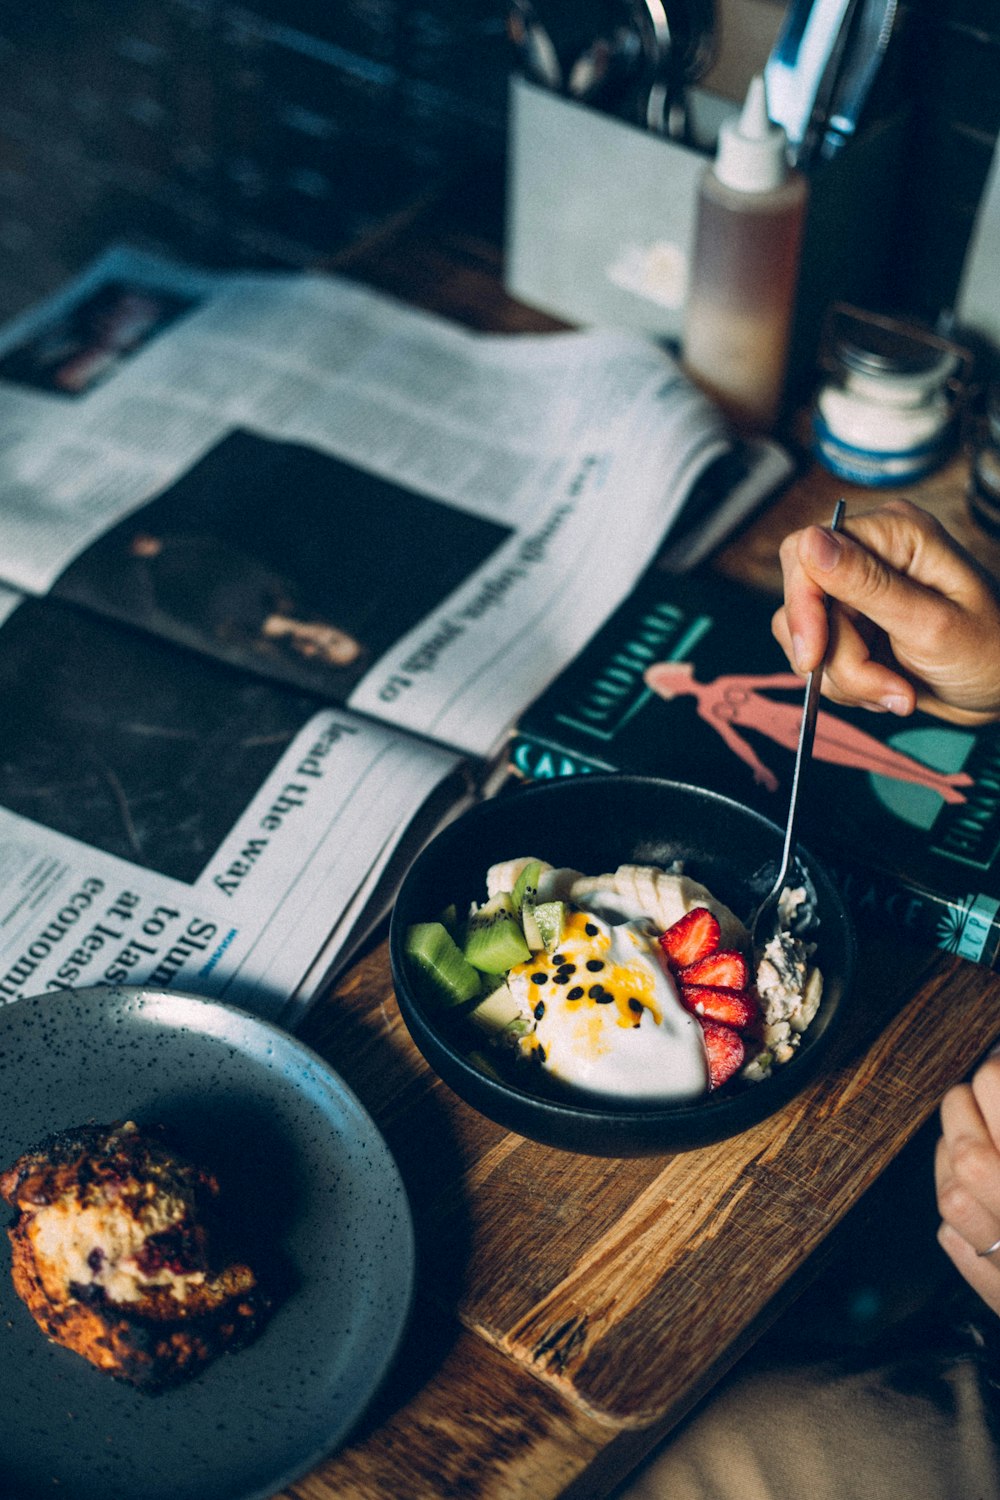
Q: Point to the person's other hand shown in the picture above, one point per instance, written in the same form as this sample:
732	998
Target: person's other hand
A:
967	1179
914	622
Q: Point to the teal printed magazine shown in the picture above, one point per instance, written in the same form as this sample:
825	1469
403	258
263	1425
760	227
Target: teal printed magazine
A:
686	681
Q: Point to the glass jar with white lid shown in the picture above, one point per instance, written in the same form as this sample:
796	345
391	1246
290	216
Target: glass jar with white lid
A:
887	412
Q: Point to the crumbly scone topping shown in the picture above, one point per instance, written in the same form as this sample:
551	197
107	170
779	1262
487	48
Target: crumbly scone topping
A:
114	1254
120	1219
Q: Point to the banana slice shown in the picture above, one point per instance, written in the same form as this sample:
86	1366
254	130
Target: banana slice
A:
503	876
635	891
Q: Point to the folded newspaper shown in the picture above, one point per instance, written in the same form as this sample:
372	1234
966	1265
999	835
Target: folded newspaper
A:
350	541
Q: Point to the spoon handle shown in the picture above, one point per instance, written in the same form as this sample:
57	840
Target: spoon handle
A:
807	733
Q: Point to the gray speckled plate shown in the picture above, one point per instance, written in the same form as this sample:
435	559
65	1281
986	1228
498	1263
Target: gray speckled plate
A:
304	1169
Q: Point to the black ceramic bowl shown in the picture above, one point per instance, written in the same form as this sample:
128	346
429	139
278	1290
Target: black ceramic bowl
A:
593	824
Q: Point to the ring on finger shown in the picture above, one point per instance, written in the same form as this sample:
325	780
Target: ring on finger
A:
990	1249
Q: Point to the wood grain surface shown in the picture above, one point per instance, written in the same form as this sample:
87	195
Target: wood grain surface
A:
570	1310
752	556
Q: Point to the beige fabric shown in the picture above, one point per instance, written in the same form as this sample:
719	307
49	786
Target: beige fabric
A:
922	1427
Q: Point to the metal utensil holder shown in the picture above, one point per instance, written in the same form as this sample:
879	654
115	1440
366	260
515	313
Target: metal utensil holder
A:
600	213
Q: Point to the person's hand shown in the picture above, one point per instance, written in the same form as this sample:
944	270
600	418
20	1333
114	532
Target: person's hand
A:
967	1178
913	620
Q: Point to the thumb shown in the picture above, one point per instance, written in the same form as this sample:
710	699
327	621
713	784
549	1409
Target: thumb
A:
852	575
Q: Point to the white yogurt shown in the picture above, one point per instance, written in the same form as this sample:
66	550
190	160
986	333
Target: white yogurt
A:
608	1020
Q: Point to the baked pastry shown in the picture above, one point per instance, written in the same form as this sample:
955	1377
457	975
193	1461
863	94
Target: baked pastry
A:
113	1255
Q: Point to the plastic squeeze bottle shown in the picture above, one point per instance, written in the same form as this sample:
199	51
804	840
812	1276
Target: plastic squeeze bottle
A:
744	268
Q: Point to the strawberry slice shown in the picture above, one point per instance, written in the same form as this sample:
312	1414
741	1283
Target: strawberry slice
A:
726	967
734	1007
693	936
725	1051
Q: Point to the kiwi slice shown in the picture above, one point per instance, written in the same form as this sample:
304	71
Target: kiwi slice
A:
439	962
526	885
529	926
494	941
524	897
542	923
548	918
449	919
500	1013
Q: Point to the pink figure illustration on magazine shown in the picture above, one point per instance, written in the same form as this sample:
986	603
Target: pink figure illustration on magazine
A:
729	704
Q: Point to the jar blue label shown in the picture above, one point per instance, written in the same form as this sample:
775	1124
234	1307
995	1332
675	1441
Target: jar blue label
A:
872	467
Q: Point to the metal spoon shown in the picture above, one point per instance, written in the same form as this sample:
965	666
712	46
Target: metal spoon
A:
763	923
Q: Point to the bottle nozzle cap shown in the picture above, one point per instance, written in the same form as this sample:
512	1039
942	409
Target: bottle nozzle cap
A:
752	155
755	124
